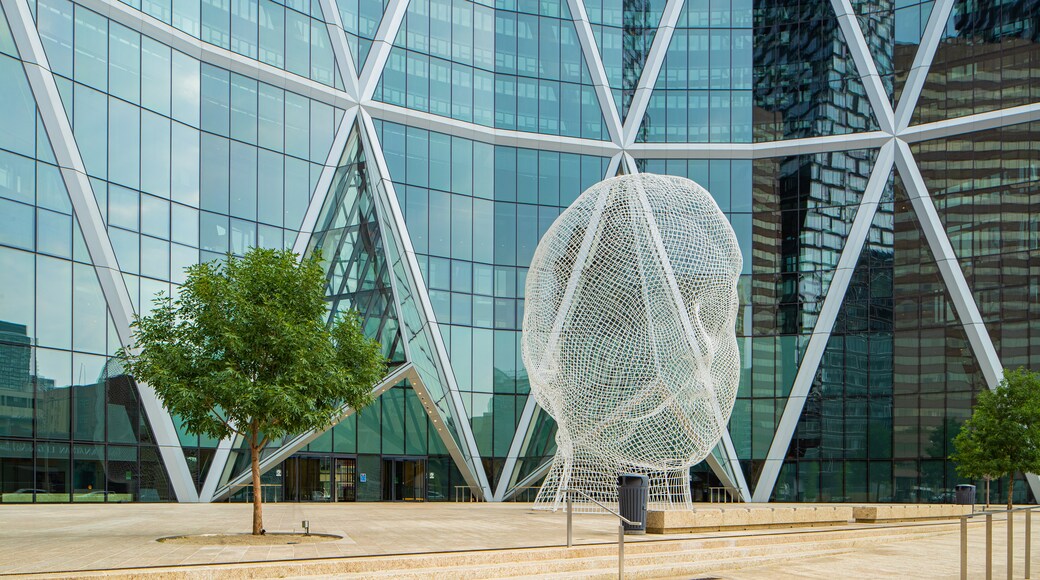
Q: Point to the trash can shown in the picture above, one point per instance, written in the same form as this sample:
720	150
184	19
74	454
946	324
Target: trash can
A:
965	494
633	497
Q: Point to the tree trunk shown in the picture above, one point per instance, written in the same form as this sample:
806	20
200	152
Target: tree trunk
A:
987	492
258	516
1011	490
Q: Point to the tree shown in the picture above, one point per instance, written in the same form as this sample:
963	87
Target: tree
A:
245	349
1003	434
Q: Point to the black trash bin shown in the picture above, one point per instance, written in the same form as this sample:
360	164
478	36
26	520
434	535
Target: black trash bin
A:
633	497
965	494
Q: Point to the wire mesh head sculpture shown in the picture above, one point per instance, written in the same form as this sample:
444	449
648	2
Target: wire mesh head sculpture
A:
629	336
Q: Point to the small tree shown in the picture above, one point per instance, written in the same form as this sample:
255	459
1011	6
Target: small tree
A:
245	349
1003	434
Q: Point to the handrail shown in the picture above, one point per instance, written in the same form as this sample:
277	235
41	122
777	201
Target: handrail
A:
570	491
1024	508
989	539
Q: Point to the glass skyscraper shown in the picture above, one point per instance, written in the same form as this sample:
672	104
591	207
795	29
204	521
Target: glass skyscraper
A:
878	160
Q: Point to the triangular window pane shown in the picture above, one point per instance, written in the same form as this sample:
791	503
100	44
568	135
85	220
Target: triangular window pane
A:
350	240
897	379
985	193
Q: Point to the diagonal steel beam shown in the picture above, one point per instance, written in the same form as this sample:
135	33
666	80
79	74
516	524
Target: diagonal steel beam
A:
738	481
95	234
323	188
825	323
614	164
392	220
303	237
515	447
527	481
949	267
216	468
298	442
952	275
629	165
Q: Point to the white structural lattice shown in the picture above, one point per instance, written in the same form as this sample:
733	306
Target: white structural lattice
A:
628	335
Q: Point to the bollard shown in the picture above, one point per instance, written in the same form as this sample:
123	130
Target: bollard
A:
989	546
964	547
1011	545
570	524
621	551
1029	539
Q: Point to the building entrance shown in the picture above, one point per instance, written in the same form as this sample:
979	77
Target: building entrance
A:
346	479
319	478
404	479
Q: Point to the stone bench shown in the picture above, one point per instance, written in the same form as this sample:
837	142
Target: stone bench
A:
877	514
745	518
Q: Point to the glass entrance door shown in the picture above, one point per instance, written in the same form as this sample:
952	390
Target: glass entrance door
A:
307	478
346	479
404	479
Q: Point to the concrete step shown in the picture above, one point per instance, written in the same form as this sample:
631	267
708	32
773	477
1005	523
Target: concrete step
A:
674	570
664	565
643	559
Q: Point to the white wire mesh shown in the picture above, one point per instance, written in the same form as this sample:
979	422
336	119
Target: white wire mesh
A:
629	336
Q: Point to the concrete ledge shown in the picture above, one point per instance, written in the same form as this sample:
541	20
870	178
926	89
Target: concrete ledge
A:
733	518
882	513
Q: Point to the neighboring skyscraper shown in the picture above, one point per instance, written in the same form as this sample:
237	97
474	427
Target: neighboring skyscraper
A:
425	145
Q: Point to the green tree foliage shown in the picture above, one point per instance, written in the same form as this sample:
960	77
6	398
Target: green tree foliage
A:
1002	437
245	349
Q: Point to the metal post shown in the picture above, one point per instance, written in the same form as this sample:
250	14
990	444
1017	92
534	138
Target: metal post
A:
1011	544
964	547
621	551
989	546
570	524
1029	539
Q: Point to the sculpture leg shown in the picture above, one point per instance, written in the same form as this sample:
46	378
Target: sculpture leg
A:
594	476
550	496
670	490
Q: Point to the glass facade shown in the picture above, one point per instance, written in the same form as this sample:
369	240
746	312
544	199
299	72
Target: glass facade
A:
201	127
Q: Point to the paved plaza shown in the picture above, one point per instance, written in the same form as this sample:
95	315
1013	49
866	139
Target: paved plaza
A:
42	538
65	538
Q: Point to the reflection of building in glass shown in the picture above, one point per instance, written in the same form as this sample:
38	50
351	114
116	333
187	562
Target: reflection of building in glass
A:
16	391
428	180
